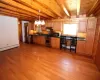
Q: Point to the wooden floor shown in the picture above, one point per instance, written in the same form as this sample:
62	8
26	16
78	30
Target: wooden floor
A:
35	62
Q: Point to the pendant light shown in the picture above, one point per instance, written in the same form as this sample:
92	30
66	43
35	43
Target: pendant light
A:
39	22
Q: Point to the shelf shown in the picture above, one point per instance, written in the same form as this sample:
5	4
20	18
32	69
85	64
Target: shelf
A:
69	45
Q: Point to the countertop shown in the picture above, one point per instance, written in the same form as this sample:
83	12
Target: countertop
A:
78	38
45	35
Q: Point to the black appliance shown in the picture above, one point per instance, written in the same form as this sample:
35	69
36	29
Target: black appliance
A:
48	40
55	34
49	30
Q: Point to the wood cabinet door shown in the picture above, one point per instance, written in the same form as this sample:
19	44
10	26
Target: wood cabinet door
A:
91	23
39	40
57	26
89	42
35	39
42	40
55	42
91	27
49	24
82	26
97	57
81	47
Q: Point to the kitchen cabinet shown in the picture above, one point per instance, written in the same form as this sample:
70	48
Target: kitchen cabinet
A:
82	26
90	42
34	39
39	40
55	42
81	47
89	26
92	23
97	45
49	24
86	47
97	33
57	25
97	55
42	40
90	35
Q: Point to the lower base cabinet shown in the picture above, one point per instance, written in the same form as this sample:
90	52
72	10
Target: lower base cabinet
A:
81	47
55	42
39	40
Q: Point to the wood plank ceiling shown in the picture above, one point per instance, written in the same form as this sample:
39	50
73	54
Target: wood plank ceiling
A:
50	9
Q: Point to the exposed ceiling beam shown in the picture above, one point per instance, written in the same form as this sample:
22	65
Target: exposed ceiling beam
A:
65	10
61	4
20	11
78	7
91	11
97	9
54	8
46	7
22	7
12	12
7	6
51	9
97	12
17	16
23	2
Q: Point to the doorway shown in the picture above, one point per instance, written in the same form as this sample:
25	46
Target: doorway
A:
25	31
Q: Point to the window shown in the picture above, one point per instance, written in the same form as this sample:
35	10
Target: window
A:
70	29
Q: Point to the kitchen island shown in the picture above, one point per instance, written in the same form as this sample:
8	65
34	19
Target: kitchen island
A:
56	41
46	40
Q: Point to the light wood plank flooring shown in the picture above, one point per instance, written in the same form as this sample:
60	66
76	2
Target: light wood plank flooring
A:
35	62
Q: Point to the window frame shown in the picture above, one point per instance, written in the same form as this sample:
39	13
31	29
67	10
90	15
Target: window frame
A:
69	23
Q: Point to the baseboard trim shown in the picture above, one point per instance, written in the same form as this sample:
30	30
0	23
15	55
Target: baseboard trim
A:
9	47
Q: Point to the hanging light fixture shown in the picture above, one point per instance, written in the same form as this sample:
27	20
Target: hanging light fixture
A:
39	22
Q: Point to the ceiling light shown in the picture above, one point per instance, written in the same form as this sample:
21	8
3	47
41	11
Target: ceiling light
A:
66	11
78	6
39	22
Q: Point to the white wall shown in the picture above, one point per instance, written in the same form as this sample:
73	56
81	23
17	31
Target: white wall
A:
8	32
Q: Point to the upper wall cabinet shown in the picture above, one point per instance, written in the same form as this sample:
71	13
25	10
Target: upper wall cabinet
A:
49	24
91	23
57	25
82	25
